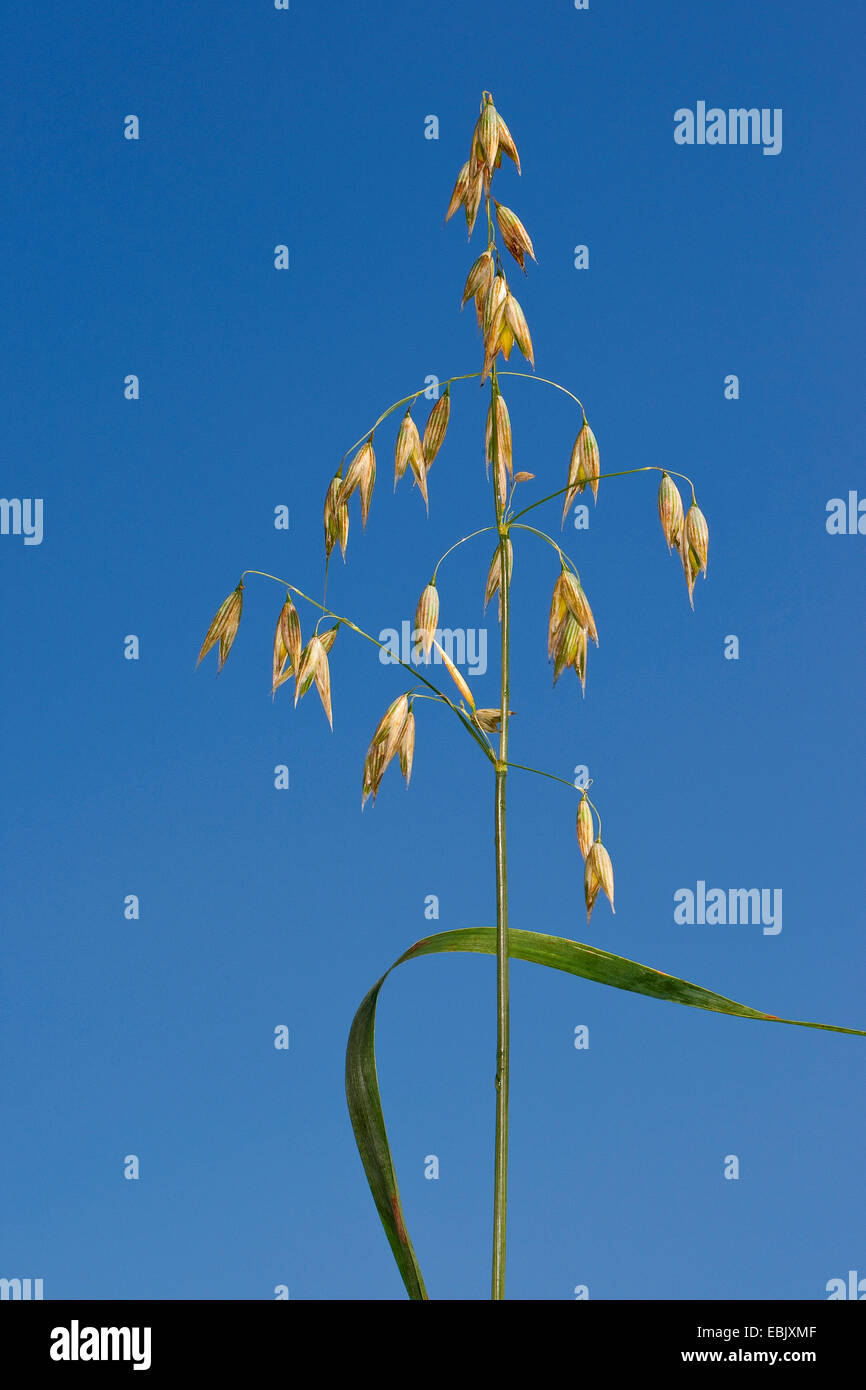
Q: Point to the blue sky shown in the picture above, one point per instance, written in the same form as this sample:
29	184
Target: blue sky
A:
262	907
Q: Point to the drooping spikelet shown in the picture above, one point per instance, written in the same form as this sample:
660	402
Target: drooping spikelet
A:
490	720
567	644
577	602
519	329
224	626
360	476
461	187
670	509
455	674
569	625
514	234
498	420
494	574
506	143
287	645
313	666
585	825
406	747
336	518
691	565
488	135
472	201
434	430
408	445
479	277
365	488
583	468
426	619
598	874
698	535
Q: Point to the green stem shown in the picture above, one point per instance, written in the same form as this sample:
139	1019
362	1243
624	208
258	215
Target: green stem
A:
347	622
543	381
623	473
500	1190
456	546
467	376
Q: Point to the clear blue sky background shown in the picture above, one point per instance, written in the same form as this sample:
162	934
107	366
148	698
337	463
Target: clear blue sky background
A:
262	907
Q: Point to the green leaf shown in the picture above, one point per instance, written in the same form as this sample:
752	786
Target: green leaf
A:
362	1086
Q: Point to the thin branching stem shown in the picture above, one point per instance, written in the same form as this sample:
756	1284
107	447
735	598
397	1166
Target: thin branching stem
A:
623	473
467	376
567	562
581	791
457	544
347	622
531	376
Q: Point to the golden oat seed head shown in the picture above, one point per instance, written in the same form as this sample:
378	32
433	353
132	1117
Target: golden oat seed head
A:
585	826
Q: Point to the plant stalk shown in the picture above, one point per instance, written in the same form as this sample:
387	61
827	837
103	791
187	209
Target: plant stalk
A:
500	1190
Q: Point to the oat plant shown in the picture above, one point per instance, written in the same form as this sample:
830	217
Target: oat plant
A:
571	629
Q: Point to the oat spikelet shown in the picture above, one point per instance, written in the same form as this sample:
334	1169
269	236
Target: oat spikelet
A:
698	535
579	662
492	321
494	304
224	627
583	468
497	415
514	234
506	143
287	645
419	469
461	188
585	826
691	564
577	602
426	619
567	644
406	748
566	638
591	885
327	638
313	666
472	201
323	684
479	277
374	770
366	485
434	430
558	613
519	329
494	574
336	518
488	135
356	472
408	445
455	675
389	730
389	739
600	871
670	510
490	720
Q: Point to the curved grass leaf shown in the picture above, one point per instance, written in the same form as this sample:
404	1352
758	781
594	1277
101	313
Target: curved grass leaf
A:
362	1086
